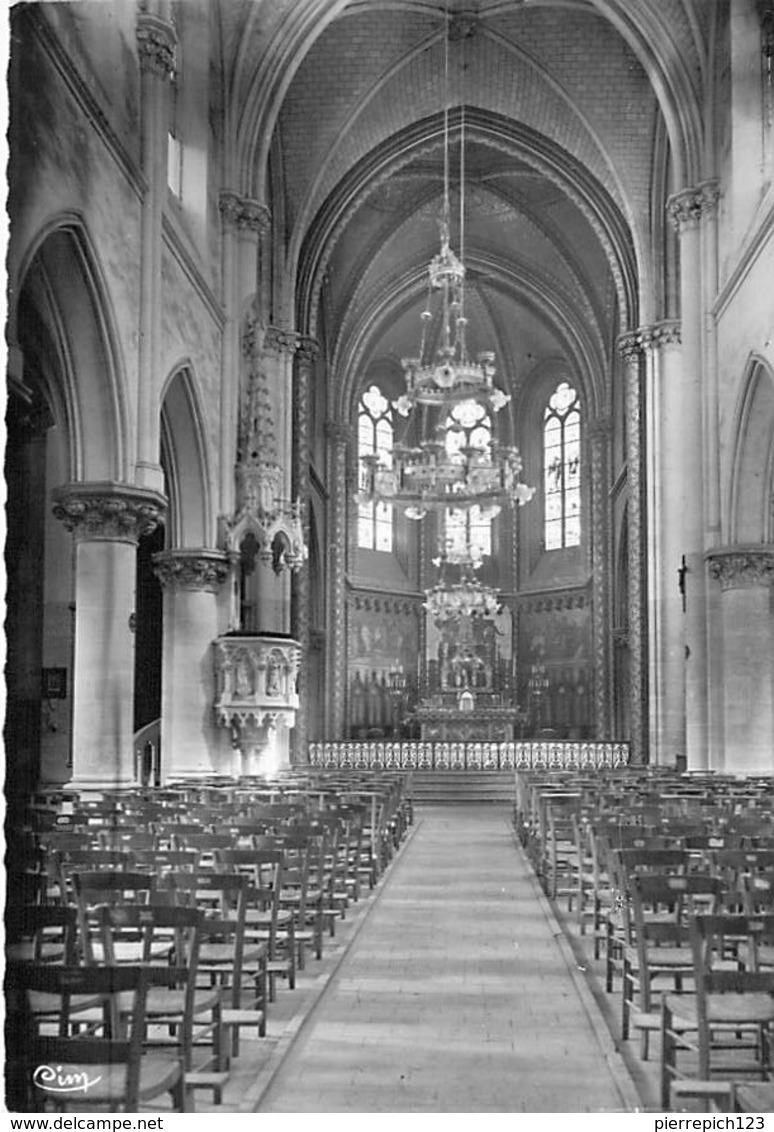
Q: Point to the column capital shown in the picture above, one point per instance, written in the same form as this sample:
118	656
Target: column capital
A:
108	511
243	212
278	340
307	349
156	43
665	333
630	346
338	432
742	567
192	568
687	207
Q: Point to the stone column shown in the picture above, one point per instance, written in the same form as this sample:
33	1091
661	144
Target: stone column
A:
338	437
156	41
308	350
244	223
191	743
631	351
686	209
599	433
665	541
107	520
746	577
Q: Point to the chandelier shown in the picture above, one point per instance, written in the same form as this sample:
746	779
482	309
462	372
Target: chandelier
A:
438	470
448	602
448	459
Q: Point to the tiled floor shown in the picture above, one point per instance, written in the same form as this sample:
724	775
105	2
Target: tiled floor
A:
459	994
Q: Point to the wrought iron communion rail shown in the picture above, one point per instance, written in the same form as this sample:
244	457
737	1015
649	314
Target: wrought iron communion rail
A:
419	755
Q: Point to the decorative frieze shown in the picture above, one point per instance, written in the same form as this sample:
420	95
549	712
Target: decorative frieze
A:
379	603
156	43
686	208
112	511
187	568
548	603
742	567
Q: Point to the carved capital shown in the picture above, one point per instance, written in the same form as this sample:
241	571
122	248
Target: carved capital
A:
307	349
666	333
185	568
112	511
279	341
156	42
630	346
742	567
243	212
686	208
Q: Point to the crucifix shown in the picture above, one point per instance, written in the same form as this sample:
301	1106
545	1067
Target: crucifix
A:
681	574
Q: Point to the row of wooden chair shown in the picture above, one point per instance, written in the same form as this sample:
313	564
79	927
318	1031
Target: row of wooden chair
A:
670	880
166	937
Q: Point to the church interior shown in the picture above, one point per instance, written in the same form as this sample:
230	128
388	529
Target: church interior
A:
390	450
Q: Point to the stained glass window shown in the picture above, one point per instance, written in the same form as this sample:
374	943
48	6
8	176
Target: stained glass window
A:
374	438
561	469
468	426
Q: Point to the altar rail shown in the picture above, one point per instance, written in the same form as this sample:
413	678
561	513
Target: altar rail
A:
466	756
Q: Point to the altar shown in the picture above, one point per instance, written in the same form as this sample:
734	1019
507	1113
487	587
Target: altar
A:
469	698
467	716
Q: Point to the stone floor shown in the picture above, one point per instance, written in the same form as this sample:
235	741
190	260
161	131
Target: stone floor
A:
451	989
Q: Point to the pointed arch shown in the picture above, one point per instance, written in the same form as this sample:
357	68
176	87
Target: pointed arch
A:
63	295
751	492
184	456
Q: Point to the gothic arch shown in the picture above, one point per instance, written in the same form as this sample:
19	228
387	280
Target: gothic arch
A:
752	465
62	289
185	459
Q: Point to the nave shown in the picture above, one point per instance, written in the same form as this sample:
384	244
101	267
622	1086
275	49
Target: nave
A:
458	994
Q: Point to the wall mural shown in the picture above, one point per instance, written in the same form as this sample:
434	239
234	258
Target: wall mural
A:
383	640
554	665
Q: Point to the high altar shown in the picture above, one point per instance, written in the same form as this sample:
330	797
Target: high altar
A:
469	665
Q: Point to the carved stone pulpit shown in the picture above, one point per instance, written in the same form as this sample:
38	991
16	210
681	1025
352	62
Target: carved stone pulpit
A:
256	697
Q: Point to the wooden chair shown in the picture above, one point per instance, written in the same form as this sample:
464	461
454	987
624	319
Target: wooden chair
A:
179	1012
660	957
725	1028
107	1070
106	887
265	921
227	959
303	889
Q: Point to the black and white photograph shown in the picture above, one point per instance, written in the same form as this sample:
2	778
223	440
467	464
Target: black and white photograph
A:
389	562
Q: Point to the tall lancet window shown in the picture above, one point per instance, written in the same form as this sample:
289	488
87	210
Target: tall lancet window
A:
374	438
468	426
561	468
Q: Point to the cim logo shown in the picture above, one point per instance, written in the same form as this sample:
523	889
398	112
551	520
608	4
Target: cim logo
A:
57	1079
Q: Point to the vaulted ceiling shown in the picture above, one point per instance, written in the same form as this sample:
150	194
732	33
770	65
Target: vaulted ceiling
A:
571	116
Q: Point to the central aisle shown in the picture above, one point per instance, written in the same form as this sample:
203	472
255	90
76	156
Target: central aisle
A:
456	995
